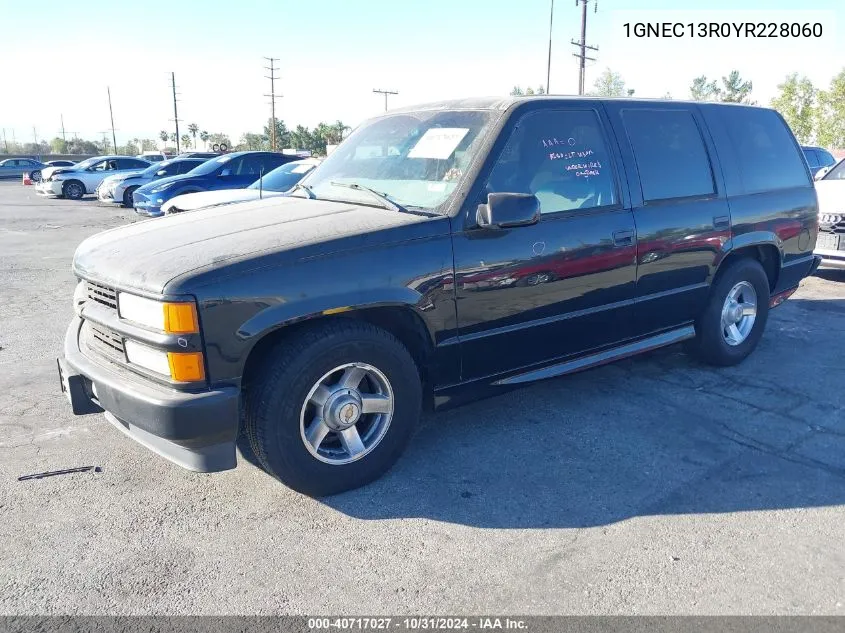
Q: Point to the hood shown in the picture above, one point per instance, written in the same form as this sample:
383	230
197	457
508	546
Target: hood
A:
46	172
831	195
180	178
192	201
148	255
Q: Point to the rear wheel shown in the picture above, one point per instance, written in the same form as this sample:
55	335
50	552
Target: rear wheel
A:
733	322
333	408
73	190
35	176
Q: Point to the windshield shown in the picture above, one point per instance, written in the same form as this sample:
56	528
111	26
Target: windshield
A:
415	158
85	164
210	166
837	173
284	177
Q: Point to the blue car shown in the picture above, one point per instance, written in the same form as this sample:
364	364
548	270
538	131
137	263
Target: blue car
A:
119	188
237	170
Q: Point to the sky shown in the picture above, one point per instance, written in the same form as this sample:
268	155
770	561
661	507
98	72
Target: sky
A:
333	53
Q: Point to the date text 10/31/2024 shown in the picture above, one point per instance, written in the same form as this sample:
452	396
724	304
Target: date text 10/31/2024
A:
417	623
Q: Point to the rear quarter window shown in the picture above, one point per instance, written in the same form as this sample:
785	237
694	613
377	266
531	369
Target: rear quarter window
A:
670	154
766	152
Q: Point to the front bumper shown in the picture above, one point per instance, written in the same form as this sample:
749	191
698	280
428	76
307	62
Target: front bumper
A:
831	258
49	188
194	430
106	194
146	206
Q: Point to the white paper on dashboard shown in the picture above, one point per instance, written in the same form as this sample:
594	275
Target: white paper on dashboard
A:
438	142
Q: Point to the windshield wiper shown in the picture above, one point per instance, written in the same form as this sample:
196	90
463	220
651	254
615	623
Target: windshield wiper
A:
308	191
391	204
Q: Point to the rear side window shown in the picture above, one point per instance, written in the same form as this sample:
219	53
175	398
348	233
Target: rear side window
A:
767	155
825	158
812	157
670	154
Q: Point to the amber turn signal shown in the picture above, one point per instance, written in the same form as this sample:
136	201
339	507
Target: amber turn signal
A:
186	366
180	318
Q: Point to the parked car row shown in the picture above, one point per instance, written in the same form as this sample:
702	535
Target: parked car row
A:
17	167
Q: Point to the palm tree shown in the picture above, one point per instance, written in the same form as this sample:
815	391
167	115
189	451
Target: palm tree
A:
193	128
163	136
204	138
186	141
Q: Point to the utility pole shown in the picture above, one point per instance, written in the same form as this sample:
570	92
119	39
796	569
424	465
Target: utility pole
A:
111	115
34	135
385	93
582	43
549	64
5	142
272	77
64	138
175	113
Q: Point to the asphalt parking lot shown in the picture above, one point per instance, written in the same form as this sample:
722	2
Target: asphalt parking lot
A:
652	486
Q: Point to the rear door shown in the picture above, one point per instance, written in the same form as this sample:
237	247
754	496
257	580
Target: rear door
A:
680	208
532	294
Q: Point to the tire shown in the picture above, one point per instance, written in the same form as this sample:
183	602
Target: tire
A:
278	414
35	176
73	190
127	196
714	343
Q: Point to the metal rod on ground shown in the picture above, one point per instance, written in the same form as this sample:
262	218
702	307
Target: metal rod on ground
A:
175	113
111	115
385	93
549	63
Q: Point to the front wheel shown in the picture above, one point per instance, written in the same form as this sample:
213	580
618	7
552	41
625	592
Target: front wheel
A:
35	176
332	408
73	190
733	322
127	196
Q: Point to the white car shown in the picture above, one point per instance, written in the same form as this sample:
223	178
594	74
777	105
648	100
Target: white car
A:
275	183
830	189
84	177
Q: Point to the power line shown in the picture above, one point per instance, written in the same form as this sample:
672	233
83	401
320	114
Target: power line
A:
272	77
582	43
175	112
385	93
111	115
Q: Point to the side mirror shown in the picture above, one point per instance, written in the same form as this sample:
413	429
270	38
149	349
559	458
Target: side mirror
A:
821	173
161	172
505	210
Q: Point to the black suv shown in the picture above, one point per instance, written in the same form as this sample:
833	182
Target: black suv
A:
440	254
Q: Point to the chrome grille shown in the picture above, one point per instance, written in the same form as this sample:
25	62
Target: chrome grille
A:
102	294
103	340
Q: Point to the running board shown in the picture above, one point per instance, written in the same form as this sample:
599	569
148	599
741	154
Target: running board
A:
602	358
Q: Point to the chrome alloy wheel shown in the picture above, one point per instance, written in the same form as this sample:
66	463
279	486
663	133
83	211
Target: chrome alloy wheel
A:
346	413
739	313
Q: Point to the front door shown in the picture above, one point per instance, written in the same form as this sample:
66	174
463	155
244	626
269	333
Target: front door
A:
564	286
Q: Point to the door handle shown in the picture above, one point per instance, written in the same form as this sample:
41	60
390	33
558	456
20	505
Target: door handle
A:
722	222
623	238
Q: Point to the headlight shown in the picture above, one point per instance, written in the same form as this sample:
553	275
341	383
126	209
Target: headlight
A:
171	317
163	187
56	177
182	367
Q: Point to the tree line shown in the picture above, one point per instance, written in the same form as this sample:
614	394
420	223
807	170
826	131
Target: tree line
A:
816	115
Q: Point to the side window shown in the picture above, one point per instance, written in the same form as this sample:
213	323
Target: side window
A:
182	167
252	165
561	157
231	167
812	158
11	163
101	166
670	154
825	158
767	155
